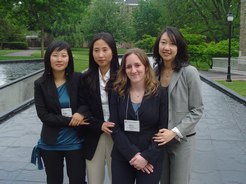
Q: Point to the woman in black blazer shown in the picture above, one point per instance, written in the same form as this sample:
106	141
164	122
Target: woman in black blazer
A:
55	95
96	85
138	108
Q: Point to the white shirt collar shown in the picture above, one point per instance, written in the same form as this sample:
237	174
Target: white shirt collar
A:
106	76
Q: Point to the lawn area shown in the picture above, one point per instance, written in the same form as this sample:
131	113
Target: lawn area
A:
239	86
81	57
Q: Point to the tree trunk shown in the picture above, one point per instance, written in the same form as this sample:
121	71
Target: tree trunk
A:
42	41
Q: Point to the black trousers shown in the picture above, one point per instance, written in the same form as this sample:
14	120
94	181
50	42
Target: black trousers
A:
124	173
54	163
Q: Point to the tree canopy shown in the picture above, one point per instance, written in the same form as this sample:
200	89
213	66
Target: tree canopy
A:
77	21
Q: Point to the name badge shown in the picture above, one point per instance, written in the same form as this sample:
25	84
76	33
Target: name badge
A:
66	112
132	125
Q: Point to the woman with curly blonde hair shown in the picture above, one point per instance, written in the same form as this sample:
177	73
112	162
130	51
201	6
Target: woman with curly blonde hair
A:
122	82
138	107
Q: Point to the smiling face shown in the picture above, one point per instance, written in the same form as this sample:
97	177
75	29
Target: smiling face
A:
135	70
59	60
167	48
102	54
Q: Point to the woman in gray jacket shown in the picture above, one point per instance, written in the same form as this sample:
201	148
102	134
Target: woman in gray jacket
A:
185	103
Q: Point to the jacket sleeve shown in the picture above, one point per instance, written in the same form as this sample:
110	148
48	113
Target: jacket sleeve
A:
84	109
121	141
195	103
47	116
82	105
154	151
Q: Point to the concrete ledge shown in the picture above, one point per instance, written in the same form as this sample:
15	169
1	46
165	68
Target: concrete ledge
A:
14	111
21	61
17	95
224	70
224	89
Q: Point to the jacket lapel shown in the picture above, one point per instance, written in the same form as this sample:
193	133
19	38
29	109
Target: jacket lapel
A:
51	87
174	80
98	96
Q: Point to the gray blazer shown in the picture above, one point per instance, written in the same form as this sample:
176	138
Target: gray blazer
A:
185	100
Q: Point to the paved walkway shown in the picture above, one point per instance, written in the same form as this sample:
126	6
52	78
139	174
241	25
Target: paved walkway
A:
221	74
22	53
220	155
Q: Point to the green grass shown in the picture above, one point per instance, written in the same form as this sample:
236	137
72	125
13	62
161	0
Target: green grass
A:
239	86
81	57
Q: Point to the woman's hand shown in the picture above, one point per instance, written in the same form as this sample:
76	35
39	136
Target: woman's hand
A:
106	127
77	120
138	162
164	136
149	168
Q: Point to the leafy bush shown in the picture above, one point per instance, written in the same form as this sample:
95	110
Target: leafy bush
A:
220	49
201	53
15	45
146	43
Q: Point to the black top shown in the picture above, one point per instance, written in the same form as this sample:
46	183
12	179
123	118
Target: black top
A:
152	114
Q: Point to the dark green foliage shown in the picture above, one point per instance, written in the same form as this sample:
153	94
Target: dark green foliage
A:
147	18
14	45
108	16
201	52
146	43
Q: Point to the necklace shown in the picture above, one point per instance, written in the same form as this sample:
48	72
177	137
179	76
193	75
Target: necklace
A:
138	95
167	73
166	76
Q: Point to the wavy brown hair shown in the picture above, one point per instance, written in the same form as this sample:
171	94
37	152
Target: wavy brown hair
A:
122	82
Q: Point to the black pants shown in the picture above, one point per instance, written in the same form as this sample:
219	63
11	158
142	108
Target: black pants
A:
124	173
54	163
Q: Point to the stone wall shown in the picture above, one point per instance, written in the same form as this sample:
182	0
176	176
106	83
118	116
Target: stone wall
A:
17	94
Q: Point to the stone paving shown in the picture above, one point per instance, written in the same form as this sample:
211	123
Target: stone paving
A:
22	53
219	158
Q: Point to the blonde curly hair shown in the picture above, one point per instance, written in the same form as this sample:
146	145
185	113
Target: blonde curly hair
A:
122	82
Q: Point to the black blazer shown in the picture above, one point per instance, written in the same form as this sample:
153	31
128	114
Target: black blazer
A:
90	96
48	106
153	115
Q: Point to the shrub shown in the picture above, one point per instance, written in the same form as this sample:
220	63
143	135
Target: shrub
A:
201	53
146	43
15	45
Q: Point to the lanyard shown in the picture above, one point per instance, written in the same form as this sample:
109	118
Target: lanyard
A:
127	105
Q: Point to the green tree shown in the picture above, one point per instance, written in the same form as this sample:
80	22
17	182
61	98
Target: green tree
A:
42	14
11	29
147	18
108	16
208	17
71	28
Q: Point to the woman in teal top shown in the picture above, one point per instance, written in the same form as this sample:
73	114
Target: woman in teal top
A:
55	95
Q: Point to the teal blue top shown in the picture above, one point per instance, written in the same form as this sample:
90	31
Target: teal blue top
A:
136	106
67	139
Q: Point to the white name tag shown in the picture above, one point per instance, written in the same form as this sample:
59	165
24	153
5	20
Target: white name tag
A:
132	125
66	112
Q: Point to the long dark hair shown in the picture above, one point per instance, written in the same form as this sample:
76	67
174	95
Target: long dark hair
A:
114	65
181	59
58	45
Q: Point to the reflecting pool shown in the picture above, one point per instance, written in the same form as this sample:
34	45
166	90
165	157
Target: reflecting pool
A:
12	71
